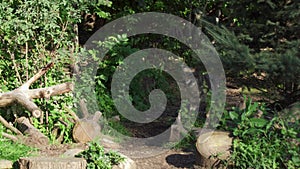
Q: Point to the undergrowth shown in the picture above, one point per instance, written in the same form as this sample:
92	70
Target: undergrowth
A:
261	140
13	151
97	158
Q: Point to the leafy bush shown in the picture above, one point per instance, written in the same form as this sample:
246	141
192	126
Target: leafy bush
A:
98	159
34	33
260	52
261	142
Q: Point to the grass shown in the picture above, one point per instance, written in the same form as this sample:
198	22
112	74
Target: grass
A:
260	142
13	151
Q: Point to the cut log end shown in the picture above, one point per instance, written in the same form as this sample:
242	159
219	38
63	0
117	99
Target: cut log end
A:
86	130
36	113
212	147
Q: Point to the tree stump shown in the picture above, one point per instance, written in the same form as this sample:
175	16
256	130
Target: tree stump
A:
212	147
51	163
5	164
86	130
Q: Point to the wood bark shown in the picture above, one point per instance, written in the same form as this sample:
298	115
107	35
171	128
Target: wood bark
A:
37	138
212	147
23	95
88	128
7	125
51	163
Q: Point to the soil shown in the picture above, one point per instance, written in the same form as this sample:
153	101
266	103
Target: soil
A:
151	156
169	160
164	159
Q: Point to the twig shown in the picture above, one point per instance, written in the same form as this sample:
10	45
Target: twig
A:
73	114
26	58
12	56
36	76
83	108
6	124
47	119
11	137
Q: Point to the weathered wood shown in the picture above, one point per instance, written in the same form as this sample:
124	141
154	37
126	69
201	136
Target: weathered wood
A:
177	130
51	163
38	138
4	164
9	136
7	125
86	130
36	76
213	146
23	95
83	108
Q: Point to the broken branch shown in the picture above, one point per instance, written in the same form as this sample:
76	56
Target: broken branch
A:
36	76
6	124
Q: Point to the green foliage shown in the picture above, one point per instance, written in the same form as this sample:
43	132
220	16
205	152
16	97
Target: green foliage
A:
258	47
98	159
59	123
259	142
34	33
262	69
187	142
13	151
119	49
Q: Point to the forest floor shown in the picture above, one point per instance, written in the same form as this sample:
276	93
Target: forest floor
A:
166	159
184	159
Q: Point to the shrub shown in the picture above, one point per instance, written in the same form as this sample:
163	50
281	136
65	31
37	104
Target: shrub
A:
98	159
261	142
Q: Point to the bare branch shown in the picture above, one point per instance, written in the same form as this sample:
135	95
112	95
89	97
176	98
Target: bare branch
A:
28	104
6	124
12	56
47	92
23	94
36	76
9	136
83	108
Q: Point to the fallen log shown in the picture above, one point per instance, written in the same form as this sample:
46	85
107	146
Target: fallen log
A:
37	138
7	125
23	95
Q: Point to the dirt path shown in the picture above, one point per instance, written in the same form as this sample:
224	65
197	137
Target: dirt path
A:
171	159
153	157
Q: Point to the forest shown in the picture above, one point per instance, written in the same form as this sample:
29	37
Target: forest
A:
73	75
